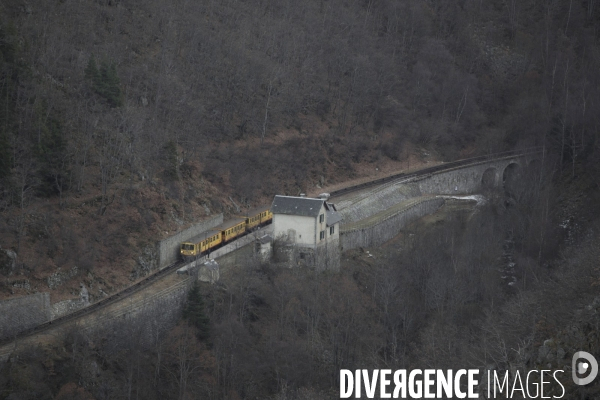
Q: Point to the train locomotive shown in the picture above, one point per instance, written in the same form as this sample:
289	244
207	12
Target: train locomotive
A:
224	233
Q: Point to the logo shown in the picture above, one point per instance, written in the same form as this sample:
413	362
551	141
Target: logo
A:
580	368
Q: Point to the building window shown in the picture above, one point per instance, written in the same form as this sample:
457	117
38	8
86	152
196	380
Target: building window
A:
321	217
332	230
322	235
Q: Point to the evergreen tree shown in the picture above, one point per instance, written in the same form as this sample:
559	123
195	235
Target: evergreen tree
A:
10	71
52	152
193	312
105	81
113	86
108	85
91	71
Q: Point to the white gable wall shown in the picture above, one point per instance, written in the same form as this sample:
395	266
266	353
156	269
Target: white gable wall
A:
304	231
302	228
336	232
321	226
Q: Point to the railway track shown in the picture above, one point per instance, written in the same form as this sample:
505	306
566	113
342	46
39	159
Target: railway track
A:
173	267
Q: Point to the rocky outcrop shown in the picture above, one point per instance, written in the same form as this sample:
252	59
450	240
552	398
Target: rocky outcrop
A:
61	277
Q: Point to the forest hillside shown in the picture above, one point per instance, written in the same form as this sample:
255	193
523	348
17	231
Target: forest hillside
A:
123	122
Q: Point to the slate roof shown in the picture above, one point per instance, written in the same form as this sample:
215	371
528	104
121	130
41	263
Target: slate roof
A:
333	217
304	206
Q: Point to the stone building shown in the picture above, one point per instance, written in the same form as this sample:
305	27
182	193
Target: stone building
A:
308	230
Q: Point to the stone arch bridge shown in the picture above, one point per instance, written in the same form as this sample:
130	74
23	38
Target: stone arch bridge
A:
480	175
377	215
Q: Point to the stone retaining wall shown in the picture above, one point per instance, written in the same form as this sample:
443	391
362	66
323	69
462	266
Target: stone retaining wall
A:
22	313
376	201
386	229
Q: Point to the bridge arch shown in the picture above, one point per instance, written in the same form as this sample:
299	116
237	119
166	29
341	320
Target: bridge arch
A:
489	178
512	178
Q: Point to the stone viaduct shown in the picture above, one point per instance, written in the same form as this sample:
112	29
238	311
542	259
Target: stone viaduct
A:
375	216
474	178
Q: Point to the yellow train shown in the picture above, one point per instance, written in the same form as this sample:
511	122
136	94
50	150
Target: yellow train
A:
226	232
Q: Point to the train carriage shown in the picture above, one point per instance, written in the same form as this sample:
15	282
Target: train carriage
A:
258	217
233	228
200	244
266	216
225	232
